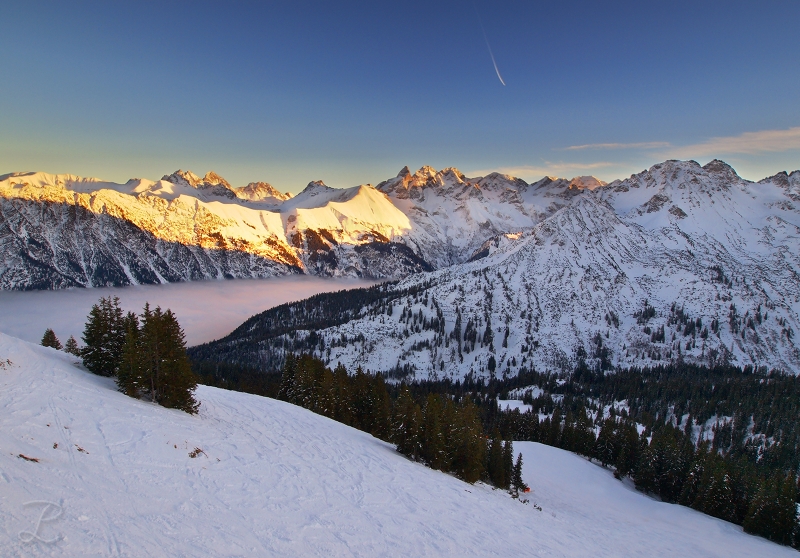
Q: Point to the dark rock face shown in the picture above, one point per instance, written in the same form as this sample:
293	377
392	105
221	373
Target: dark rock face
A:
54	246
389	259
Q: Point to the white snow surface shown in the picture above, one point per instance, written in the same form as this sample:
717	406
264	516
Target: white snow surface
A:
114	478
511	404
442	216
683	238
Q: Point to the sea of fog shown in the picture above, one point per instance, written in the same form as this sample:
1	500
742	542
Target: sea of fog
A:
206	310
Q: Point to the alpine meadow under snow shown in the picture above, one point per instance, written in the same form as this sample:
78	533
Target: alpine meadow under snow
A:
87	471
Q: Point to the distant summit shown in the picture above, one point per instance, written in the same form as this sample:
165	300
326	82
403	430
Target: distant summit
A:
260	191
211	184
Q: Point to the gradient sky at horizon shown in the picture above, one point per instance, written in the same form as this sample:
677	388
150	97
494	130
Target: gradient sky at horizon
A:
350	92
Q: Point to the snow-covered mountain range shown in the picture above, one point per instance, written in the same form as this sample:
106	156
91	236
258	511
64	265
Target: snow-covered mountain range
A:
680	262
88	471
62	230
677	262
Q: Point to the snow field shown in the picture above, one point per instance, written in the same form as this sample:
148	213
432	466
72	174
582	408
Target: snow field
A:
115	477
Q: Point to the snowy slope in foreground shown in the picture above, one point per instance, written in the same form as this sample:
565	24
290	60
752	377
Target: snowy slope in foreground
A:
276	480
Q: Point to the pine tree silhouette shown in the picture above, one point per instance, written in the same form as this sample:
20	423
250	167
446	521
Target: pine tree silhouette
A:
49	339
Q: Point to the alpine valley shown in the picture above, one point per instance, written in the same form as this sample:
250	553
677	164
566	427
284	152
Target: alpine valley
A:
680	262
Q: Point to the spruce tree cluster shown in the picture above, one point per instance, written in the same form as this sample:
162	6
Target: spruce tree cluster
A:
104	336
154	364
146	353
442	433
730	474
49	339
641	422
361	400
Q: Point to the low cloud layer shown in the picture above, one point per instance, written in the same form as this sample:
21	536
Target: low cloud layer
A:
640	145
639	153
206	310
748	143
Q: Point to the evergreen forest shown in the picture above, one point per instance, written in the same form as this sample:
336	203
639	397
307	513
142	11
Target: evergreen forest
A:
721	440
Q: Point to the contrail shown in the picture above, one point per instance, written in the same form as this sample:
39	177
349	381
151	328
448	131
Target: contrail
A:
475	5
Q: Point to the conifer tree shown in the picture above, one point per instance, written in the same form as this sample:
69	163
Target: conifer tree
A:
406	427
716	491
508	464
694	478
177	380
452	433
154	362
286	392
604	449
103	337
71	347
382	410
324	401
628	446
516	476
773	512
433	448
469	462
362	401
495	465
50	340
129	379
343	400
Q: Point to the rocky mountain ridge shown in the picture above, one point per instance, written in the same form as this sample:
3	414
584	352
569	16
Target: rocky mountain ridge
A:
62	230
680	262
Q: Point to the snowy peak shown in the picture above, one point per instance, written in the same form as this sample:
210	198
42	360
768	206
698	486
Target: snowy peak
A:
681	186
348	213
790	183
260	192
314	189
586	182
556	185
183	177
426	177
44	182
211	184
721	171
316	186
424	174
496	181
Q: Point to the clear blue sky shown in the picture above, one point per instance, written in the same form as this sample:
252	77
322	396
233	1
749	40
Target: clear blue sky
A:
349	92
